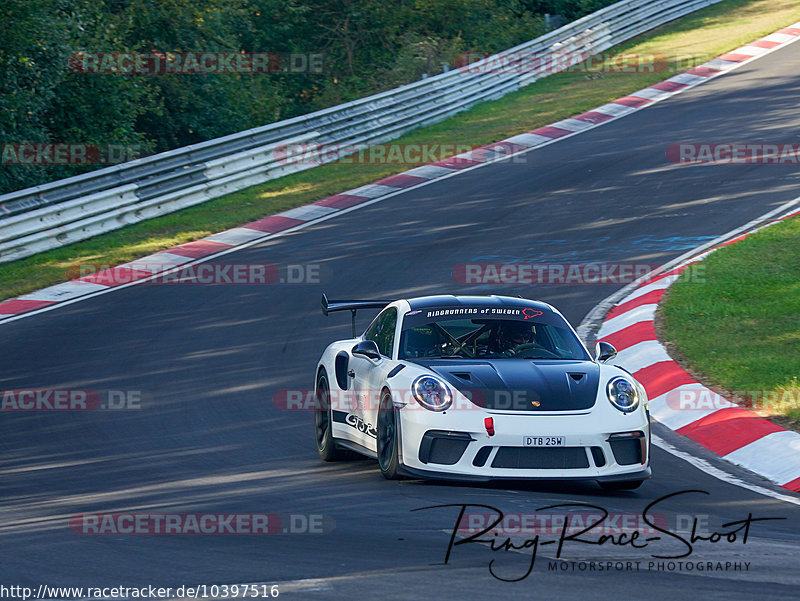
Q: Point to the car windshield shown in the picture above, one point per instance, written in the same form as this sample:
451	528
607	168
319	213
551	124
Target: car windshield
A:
547	336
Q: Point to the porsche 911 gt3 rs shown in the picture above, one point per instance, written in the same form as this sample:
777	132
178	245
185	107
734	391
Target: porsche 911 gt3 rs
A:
479	388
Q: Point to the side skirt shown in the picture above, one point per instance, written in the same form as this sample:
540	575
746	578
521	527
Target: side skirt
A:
354	446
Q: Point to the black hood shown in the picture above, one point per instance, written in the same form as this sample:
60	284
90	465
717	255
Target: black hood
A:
522	384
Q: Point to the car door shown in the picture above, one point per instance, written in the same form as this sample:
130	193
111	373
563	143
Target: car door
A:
371	374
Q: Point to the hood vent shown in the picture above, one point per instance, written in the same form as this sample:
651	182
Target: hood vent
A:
522	385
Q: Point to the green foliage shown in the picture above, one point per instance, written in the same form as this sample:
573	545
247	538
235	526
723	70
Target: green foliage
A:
734	317
571	9
368	46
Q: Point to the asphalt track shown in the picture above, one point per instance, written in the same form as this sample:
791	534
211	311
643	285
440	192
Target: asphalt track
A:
210	358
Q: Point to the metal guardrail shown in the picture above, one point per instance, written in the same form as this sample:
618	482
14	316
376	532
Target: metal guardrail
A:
76	208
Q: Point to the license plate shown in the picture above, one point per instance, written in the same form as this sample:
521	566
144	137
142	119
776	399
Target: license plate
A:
543	441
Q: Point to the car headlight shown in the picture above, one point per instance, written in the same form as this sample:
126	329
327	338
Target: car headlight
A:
623	394
642	396
432	393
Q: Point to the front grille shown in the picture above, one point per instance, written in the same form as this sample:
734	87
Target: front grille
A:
628	451
598	456
442	447
447	452
481	456
541	458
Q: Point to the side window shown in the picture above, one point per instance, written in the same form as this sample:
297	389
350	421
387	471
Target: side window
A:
382	331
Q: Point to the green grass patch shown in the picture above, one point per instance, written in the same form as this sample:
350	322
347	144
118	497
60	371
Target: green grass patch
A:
734	319
695	38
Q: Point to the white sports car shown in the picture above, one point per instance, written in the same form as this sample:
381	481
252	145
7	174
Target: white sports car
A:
479	388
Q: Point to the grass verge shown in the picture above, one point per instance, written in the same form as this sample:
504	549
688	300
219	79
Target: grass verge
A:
734	321
696	38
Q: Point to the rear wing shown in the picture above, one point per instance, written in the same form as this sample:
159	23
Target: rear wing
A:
331	306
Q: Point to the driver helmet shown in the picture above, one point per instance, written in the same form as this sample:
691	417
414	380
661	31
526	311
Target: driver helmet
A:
516	333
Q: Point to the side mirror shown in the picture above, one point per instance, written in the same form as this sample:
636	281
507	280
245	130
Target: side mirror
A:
603	352
368	349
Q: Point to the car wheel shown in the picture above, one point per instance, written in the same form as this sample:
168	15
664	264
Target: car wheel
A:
388	443
323	431
622	485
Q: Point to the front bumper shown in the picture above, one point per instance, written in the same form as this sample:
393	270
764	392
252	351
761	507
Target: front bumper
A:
645	474
598	445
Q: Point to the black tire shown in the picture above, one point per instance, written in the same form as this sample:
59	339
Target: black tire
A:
323	433
388	443
621	485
